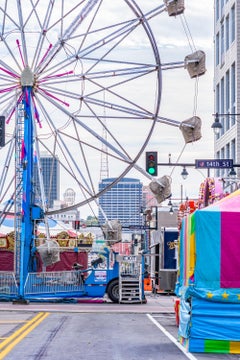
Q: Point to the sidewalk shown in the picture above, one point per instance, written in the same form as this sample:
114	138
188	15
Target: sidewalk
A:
155	304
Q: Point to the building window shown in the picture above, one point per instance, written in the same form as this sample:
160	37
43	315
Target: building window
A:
222	106
233	23
222	6
233	150
217	49
222	44
227	33
222	157
233	92
218	103
217	98
217	9
217	170
227	99
228	151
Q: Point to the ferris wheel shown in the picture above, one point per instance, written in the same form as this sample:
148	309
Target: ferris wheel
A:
70	89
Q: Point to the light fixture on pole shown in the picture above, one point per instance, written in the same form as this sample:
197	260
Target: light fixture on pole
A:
184	173
216	126
170	202
232	174
171	211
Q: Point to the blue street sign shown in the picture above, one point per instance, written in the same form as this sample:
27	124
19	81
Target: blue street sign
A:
214	163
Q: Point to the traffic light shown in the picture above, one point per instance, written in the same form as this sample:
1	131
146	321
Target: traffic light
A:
2	131
151	163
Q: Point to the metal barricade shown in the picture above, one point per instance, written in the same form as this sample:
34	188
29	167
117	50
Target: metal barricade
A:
130	278
129	265
54	282
8	284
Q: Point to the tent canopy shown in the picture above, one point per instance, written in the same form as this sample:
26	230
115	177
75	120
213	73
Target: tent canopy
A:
210	251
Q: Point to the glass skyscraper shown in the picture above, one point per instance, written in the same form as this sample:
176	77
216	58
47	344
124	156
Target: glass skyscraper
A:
122	202
51	178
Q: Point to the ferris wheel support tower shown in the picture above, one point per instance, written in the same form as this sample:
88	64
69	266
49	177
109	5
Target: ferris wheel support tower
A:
25	261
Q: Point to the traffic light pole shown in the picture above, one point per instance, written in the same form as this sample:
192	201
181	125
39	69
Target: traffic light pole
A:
151	164
183	165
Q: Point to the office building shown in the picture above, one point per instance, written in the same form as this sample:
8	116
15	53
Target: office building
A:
122	202
226	80
50	176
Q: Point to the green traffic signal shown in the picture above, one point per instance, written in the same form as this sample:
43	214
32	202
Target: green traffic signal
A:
151	170
151	162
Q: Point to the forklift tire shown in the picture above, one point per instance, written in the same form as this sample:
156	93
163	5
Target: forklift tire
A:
113	291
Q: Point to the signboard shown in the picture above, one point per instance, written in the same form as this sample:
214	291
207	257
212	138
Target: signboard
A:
100	276
214	164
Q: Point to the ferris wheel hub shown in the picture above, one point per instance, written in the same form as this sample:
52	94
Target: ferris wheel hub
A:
27	77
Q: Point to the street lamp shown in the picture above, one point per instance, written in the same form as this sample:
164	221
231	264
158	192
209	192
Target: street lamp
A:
216	126
232	174
184	173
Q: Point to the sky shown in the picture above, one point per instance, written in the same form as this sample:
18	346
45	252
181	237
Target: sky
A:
101	77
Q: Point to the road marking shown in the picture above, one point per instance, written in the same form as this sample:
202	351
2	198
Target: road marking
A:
172	338
7	345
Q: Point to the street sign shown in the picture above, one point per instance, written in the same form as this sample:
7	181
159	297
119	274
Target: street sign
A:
214	164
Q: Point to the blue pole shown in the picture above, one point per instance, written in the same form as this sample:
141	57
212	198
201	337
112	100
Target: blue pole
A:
27	201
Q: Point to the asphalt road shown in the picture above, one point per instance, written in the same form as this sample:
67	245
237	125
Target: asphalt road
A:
94	331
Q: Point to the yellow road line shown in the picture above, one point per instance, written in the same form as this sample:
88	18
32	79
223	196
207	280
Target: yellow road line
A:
18	335
19	331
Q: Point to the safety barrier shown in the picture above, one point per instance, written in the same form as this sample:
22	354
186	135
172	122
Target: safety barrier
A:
129	265
8	284
54	282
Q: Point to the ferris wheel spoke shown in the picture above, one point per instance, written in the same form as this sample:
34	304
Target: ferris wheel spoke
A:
23	39
155	12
